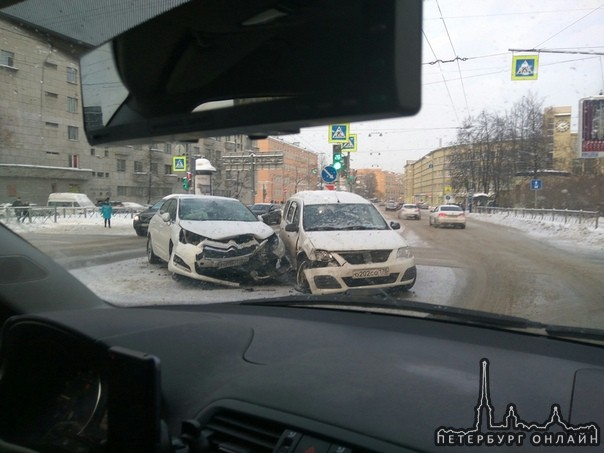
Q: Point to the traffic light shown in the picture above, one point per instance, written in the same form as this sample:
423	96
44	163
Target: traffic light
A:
345	159
186	181
337	157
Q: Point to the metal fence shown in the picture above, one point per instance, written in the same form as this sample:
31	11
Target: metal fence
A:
45	214
588	218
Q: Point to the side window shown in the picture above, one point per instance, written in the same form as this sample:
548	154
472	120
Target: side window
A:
293	213
169	206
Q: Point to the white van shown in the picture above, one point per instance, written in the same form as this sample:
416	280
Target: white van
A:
69	200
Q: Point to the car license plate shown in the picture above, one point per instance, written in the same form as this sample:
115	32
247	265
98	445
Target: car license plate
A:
369	273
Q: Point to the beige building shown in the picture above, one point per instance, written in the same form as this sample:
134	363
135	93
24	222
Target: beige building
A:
380	184
427	179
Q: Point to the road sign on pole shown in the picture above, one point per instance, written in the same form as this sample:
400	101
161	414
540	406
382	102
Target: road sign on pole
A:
329	174
536	184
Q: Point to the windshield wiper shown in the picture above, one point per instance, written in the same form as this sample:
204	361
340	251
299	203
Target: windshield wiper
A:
358	227
324	228
580	333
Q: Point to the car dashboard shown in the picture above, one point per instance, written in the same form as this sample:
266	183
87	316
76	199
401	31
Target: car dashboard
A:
254	378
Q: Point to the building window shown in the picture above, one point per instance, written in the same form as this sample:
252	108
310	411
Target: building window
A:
154	168
168	148
50	65
106	175
73	161
72	75
106	152
7	58
138	166
92	151
122	191
50	94
72	132
167	169
72	105
53	125
121	165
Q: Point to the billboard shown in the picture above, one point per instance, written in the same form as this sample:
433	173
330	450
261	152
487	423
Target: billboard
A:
591	127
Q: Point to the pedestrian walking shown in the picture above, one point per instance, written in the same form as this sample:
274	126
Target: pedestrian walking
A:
25	212
107	211
16	205
21	210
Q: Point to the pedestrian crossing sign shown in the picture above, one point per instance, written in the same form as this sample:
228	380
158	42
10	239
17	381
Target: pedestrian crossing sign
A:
339	133
351	144
179	163
524	67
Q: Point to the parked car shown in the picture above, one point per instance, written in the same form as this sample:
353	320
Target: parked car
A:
140	221
69	200
338	241
410	211
269	213
132	206
214	239
391	205
448	215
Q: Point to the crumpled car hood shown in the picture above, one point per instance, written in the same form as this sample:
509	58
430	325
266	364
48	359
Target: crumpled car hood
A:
220	229
355	240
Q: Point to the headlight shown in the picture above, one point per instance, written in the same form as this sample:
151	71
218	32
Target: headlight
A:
276	245
323	255
137	218
404	252
187	237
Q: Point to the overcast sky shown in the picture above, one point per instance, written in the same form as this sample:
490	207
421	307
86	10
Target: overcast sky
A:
483	31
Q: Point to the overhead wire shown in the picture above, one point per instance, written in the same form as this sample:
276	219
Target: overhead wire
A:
443	77
463	88
570	25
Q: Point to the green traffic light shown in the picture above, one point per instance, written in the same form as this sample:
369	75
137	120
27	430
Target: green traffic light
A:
337	165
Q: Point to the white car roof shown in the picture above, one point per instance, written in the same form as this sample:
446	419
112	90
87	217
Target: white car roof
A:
190	195
328	196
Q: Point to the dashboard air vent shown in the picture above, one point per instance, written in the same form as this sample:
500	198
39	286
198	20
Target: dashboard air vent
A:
234	432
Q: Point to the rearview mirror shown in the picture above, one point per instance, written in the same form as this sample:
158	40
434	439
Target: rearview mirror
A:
267	68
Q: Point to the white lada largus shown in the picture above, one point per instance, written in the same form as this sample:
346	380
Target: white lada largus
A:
338	241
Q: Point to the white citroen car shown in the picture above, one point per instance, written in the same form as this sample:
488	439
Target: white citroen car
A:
214	239
339	241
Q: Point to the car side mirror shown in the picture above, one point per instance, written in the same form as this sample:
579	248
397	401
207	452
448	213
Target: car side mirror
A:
292	228
395	225
165	216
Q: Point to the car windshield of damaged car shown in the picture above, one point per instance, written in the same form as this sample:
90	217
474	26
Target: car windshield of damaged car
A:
206	209
341	217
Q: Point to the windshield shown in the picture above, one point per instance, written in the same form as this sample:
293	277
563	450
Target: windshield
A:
260	209
210	209
510	134
342	217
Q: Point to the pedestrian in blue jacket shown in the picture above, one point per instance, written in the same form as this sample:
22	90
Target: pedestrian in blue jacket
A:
107	210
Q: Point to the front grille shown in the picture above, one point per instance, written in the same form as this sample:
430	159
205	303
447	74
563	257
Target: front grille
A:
355	282
366	257
215	253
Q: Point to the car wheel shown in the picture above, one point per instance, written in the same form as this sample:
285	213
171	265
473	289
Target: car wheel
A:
463	227
140	232
301	282
151	257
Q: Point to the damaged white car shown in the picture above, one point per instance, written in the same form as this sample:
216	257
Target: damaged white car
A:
214	239
339	241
